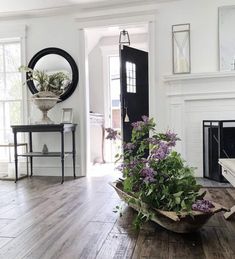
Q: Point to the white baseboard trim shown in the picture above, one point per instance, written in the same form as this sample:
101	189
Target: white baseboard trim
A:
55	171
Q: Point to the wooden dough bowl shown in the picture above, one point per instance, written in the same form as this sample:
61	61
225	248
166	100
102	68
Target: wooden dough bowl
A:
179	223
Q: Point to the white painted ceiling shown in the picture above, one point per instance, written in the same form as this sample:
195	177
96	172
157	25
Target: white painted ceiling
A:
9	6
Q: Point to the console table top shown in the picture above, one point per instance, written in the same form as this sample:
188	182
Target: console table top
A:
66	127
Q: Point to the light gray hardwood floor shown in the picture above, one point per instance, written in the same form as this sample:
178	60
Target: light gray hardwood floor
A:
42	219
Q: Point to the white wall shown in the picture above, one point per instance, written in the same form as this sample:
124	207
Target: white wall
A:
203	17
61	32
188	102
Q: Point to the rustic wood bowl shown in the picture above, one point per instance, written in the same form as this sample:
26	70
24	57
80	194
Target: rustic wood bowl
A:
176	222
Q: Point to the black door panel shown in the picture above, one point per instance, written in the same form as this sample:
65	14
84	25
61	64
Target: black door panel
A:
134	88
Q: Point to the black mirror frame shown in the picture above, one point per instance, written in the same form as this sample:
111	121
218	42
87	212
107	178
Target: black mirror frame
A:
64	54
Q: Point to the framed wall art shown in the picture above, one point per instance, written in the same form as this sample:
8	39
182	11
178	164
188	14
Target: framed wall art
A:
181	56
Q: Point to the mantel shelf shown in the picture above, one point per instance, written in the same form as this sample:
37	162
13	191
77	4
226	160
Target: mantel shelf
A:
208	75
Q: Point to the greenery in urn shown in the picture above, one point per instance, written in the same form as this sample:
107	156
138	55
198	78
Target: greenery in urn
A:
48	85
160	179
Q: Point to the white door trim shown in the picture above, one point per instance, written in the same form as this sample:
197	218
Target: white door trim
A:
104	21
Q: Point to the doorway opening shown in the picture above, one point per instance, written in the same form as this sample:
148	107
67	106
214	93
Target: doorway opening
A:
115	104
104	85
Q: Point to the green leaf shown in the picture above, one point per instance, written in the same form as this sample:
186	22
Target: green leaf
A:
150	191
177	200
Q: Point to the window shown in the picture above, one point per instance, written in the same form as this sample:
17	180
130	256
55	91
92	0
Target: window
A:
11	103
131	77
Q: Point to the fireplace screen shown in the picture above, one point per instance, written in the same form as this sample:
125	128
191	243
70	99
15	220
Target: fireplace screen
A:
218	142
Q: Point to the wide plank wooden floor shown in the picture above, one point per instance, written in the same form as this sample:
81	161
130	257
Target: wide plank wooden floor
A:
40	218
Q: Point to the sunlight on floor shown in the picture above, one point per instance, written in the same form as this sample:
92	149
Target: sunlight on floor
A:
100	170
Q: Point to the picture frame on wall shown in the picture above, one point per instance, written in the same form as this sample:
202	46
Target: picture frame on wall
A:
181	52
226	38
67	115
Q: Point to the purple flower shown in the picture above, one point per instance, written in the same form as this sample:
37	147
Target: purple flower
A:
112	134
161	151
145	119
137	125
129	166
171	138
129	146
144	160
148	174
152	141
132	164
203	206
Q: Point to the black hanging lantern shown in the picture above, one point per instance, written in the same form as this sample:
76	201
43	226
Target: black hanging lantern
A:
124	39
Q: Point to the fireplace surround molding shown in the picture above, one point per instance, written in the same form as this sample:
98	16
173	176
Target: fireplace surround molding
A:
192	98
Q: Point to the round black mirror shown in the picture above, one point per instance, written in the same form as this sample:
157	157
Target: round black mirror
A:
53	60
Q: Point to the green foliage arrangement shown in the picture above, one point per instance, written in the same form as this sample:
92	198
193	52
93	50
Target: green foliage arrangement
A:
156	174
55	83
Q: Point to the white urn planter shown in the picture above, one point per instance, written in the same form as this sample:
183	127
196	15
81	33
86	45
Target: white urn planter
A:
44	104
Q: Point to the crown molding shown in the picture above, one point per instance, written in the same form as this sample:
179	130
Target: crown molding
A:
118	16
72	9
80	9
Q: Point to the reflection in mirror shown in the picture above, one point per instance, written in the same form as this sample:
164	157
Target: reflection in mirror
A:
52	64
51	61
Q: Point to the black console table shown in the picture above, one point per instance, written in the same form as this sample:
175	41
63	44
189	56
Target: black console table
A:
61	128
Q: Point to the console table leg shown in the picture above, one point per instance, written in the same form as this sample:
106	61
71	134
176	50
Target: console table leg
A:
62	156
27	160
16	157
74	154
31	150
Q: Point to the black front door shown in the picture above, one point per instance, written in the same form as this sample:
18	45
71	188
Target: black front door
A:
134	88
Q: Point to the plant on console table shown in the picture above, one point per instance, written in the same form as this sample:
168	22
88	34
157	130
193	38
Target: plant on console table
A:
49	86
159	185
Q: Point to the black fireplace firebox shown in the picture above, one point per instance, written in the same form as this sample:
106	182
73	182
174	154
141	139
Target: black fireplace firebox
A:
218	142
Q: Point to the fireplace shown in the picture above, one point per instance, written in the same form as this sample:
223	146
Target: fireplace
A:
218	142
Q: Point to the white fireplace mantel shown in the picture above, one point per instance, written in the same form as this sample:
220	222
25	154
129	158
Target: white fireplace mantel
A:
193	76
192	98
